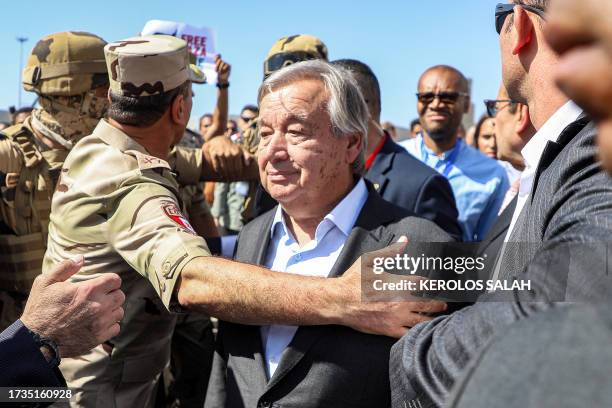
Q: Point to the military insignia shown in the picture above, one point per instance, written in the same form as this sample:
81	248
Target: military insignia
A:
174	213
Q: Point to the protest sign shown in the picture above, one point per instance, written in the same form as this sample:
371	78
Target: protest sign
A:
200	41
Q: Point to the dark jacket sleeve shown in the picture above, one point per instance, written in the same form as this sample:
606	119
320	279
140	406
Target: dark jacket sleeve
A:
570	265
429	359
216	391
436	202
22	363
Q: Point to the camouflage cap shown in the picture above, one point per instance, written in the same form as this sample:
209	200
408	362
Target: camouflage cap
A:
148	65
65	64
292	49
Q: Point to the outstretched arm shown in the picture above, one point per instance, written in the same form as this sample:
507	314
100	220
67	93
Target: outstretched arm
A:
250	294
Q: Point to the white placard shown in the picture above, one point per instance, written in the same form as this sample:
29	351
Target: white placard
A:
200	41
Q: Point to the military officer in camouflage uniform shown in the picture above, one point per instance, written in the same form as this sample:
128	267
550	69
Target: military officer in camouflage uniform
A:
68	72
116	202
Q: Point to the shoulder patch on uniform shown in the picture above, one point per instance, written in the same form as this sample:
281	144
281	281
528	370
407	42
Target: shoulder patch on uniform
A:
148	162
173	212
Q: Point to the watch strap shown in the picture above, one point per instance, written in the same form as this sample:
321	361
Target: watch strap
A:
49	344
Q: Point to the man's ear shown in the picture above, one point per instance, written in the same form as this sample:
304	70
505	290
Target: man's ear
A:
466	104
355	144
523	120
178	109
522	30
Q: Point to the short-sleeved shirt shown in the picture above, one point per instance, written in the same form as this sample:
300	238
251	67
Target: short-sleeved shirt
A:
478	182
117	205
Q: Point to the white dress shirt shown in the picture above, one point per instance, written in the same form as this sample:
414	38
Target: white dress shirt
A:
532	153
316	258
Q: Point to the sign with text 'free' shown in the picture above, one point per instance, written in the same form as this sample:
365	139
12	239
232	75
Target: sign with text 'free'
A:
200	41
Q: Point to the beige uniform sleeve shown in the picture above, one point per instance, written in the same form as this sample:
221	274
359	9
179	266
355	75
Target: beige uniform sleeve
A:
186	162
10	157
149	231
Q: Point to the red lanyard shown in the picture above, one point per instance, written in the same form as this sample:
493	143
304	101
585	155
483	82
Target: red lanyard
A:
373	155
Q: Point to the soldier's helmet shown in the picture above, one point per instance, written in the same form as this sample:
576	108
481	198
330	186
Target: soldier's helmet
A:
66	64
292	49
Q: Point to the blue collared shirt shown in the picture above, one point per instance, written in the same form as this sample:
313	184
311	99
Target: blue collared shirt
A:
316	258
479	184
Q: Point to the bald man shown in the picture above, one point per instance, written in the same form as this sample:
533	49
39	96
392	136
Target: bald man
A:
479	183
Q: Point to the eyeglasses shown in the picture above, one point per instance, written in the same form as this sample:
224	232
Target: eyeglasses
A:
448	98
503	10
492	108
247	118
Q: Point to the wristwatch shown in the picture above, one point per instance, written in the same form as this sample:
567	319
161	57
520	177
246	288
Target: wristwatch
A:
224	85
52	356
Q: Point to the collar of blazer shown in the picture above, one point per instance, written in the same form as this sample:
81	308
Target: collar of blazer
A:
552	149
382	165
375	213
501	225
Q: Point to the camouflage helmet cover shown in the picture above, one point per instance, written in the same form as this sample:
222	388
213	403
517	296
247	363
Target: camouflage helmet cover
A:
292	49
148	65
65	64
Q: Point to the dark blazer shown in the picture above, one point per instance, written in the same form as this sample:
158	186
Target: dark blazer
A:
491	245
404	181
558	358
21	362
323	366
566	226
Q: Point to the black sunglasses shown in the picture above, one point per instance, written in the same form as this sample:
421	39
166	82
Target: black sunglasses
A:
491	105
503	10
444	97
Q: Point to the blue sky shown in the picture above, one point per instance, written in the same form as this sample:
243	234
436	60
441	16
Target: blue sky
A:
399	39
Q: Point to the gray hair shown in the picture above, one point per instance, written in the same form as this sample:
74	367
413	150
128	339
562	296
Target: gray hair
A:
346	107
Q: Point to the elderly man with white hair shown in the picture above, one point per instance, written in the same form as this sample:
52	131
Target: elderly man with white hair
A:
313	124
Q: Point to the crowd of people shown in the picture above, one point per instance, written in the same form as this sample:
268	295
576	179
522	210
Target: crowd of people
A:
145	264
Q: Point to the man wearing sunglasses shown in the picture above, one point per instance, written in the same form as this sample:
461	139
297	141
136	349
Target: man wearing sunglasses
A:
513	129
478	182
247	115
563	348
569	205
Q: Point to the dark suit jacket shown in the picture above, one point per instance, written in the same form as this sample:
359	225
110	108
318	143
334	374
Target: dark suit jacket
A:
492	244
323	366
567	224
558	358
403	180
21	362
